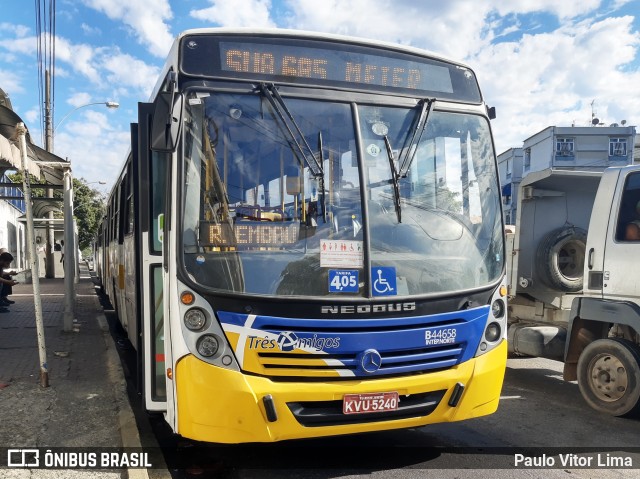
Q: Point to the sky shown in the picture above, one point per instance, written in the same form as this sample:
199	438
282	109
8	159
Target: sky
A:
539	62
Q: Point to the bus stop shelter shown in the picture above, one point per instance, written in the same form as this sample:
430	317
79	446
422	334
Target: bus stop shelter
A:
52	173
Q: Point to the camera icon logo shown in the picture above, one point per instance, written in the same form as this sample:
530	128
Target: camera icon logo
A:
23	458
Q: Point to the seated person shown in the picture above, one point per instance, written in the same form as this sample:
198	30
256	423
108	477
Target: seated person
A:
5	281
632	230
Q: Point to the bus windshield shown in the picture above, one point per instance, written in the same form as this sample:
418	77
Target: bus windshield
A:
303	205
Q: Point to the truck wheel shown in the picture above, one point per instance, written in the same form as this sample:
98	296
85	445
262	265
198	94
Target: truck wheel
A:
609	376
560	257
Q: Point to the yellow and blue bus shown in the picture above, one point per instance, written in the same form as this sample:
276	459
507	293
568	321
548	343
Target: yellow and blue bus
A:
306	239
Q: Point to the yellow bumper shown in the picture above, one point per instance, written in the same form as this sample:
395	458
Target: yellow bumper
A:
218	405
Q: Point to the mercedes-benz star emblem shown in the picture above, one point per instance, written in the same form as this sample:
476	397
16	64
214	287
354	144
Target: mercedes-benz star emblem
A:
370	361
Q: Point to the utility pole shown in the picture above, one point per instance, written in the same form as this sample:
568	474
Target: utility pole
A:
70	276
69	256
33	257
50	264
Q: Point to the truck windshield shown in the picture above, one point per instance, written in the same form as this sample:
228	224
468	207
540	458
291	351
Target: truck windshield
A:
257	221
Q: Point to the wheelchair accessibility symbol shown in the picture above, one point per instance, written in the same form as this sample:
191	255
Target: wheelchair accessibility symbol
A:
384	281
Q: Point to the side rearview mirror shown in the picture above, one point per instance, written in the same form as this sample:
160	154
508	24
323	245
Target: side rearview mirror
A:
167	121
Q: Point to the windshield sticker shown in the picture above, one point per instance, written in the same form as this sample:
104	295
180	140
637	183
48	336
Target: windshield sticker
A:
373	150
341	254
384	281
343	281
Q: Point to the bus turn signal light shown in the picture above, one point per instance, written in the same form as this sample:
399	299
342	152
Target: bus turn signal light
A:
187	298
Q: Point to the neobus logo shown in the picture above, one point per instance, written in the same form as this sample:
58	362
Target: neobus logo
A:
368	308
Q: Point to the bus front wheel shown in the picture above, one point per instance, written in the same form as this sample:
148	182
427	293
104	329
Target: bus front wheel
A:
609	376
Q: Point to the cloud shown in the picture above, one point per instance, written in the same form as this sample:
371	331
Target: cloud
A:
147	18
102	66
80	57
126	70
95	147
18	30
79	99
452	28
11	83
24	45
32	116
239	13
89	30
551	78
457	28
563	10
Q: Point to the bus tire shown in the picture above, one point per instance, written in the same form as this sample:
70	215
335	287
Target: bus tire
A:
561	256
609	376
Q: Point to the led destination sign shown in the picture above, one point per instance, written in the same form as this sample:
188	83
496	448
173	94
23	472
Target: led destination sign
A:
339	66
318	62
248	234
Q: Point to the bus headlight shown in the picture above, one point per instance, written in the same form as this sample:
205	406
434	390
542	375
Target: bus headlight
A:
496	325
497	308
195	319
208	345
493	332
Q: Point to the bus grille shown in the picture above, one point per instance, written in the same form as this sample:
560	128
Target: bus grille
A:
393	362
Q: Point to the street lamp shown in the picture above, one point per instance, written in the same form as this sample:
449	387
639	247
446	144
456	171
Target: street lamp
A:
109	104
102	193
69	276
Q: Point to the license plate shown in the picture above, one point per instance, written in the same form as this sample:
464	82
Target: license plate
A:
372	402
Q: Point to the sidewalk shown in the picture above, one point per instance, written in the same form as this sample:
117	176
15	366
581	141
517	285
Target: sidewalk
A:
86	404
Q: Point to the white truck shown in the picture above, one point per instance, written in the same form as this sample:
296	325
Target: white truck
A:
574	280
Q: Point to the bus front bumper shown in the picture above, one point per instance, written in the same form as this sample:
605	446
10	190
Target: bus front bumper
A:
219	405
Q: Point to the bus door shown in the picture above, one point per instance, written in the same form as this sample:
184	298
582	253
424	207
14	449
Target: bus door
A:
153	183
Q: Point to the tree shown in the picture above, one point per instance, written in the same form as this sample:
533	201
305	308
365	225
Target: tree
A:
88	209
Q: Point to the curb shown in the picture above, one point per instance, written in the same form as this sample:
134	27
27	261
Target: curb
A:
126	419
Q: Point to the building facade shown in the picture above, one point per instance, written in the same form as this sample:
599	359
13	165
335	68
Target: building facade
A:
510	173
12	231
575	148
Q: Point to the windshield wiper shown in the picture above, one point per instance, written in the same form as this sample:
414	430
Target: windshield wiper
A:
315	164
394	178
271	93
414	136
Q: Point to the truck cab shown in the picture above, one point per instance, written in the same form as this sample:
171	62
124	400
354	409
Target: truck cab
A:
575	294
604	324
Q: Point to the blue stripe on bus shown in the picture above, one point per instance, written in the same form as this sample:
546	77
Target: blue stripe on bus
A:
406	344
